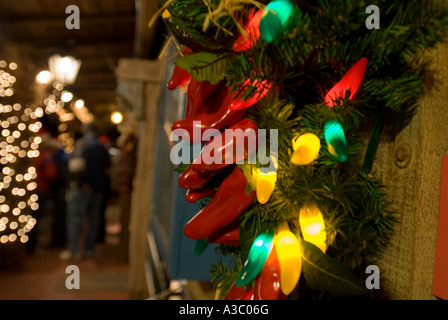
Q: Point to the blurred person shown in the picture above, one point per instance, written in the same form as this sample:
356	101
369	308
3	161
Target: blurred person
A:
106	141
88	167
47	174
59	189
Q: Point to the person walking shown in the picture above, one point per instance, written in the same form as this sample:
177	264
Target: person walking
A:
88	167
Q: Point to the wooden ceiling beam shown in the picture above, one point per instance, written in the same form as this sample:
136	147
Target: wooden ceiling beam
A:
92	90
57	41
85	82
95	98
100	85
52	20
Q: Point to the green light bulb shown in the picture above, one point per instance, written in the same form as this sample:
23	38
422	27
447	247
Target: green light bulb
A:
258	254
335	138
274	18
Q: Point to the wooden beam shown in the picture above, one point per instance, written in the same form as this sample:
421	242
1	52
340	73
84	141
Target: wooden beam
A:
64	41
147	44
411	168
96	89
95	78
55	20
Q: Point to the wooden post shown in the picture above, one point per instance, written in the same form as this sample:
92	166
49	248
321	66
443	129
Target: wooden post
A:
140	84
411	170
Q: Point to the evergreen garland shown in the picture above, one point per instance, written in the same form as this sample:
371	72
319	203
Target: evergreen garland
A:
322	40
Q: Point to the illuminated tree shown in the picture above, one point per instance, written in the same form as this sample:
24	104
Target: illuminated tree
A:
19	144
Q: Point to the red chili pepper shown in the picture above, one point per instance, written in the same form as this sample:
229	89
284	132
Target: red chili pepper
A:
228	235
201	97
267	284
194	195
191	179
209	113
229	147
239	293
230	200
180	77
249	294
235	102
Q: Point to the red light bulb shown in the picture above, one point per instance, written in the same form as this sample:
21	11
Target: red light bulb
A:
253	30
351	81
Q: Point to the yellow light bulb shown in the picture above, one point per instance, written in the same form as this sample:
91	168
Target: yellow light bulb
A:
313	226
265	185
262	182
166	14
289	257
306	149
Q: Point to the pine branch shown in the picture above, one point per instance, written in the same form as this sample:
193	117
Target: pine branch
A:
223	276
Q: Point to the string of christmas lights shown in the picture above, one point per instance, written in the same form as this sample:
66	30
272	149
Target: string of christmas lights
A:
19	146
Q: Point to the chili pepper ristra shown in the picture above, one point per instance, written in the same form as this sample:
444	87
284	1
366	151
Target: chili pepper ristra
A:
231	199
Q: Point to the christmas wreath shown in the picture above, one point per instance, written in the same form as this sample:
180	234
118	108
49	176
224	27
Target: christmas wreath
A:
301	213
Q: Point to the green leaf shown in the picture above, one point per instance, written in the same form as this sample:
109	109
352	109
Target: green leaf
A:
323	273
204	66
181	168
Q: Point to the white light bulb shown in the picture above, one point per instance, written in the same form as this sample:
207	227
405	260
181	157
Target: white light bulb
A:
44	77
79	104
117	117
64	65
66	96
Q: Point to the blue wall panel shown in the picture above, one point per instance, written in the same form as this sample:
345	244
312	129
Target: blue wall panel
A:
170	211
